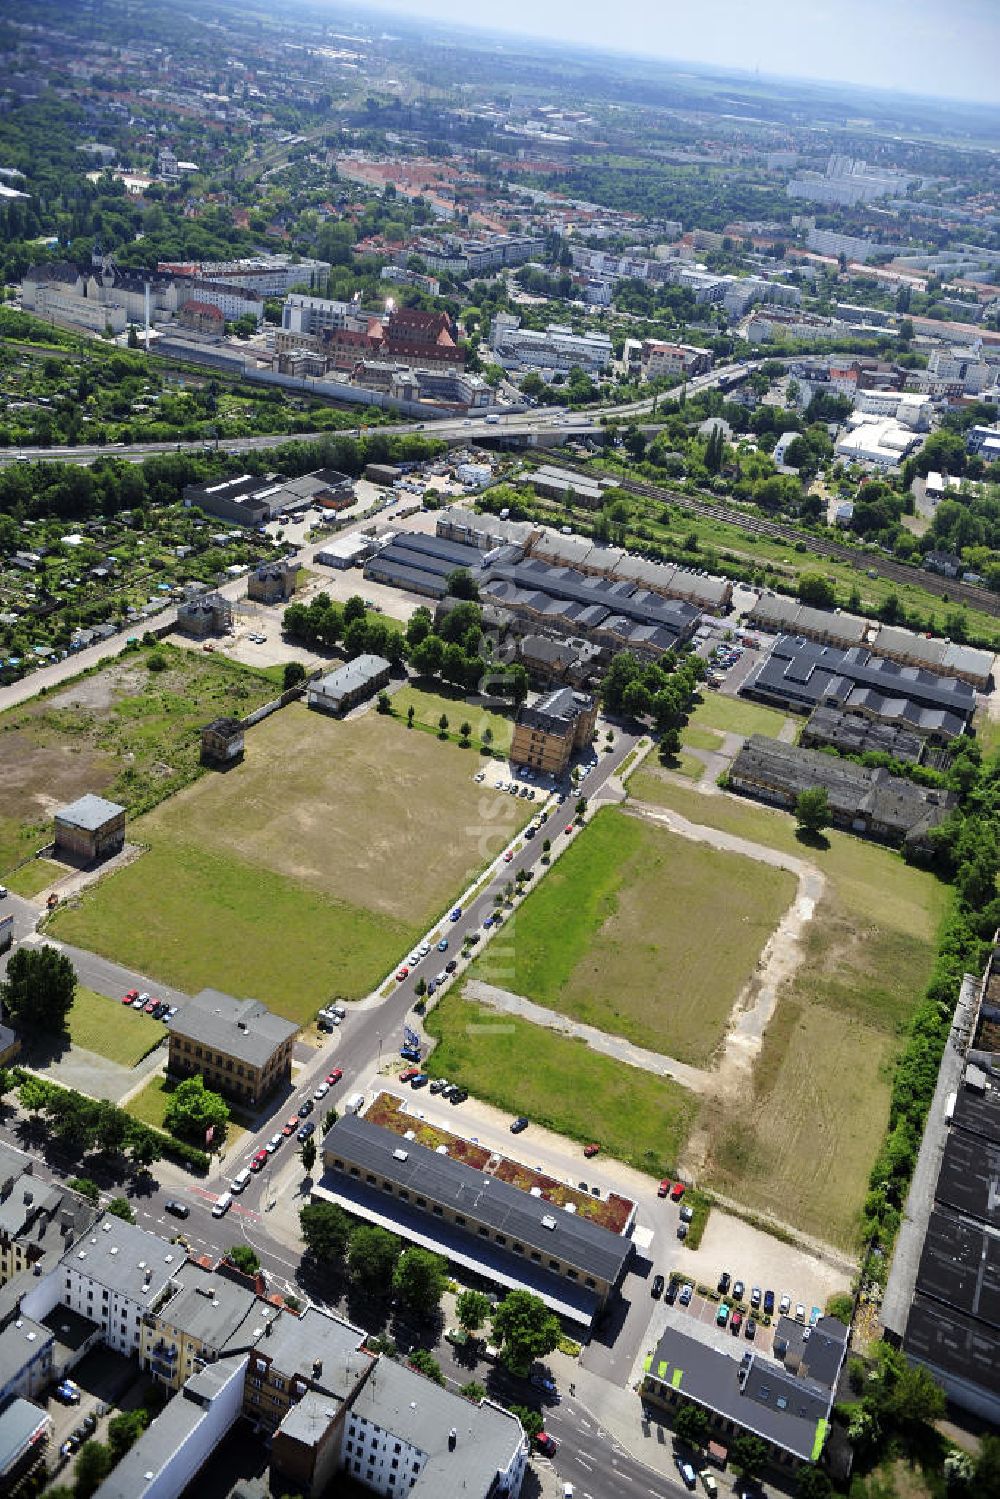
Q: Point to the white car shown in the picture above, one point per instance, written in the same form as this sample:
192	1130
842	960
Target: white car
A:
424	949
785	1305
414	958
273	1144
3	891
322	1090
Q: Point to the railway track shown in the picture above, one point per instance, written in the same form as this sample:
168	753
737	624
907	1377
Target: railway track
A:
886	567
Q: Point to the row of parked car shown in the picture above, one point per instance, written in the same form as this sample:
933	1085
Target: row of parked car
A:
149	1005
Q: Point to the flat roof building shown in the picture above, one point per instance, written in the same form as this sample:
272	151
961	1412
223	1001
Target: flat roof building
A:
475	1220
90	828
349	684
237	1045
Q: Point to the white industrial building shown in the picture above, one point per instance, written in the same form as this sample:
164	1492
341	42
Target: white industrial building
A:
557	348
879	441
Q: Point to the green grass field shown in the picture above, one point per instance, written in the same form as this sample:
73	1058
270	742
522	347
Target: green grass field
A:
559	1083
296	887
803	1146
683	764
150	1103
732	715
695	737
29	879
614	935
124	732
428	707
106	1027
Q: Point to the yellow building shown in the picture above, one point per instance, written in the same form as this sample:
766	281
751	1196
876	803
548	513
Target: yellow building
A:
201	1314
546	734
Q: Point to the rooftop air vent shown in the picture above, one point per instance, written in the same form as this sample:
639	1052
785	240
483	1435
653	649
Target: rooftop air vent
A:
548	1221
400	1155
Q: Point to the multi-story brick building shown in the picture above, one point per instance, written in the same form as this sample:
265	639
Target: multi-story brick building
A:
547	733
237	1046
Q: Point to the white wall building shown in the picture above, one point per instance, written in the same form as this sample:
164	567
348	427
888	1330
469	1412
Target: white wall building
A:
557	348
878	441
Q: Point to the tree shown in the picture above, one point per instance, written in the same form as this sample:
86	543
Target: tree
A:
472	1309
371	1259
326	1230
487	737
409	716
691	1425
307	1154
383	703
244	1258
425	1363
443	725
670	744
812	810
530	1419
93	1464
293	674
192	1110
465	730
525	1329
461	584
120	1207
125	1429
816	591
419	1281
86	1188
812	1483
473	1391
748	1454
39	990
354	610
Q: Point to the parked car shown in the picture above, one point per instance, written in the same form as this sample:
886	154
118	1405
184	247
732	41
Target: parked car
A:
656	1289
322	1090
751	1329
736	1324
259	1160
456	914
459	1095
68	1392
686	1293
545	1383
177	1209
291	1125
420	1081
451	965
687	1215
663	1190
222	1204
722	1315
591	1150
307	1129
401	973
408	1074
785	1305
519	1125
755	1297
673	1286
687	1474
334	1076
274	1143
800	1312
150	1005
677	1191
130	997
439	1084
725	1281
682	1231
708	1483
410	1053
769	1302
546	1444
738	1290
306	1107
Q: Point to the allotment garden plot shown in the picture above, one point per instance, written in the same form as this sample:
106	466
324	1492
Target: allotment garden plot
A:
643	934
306	871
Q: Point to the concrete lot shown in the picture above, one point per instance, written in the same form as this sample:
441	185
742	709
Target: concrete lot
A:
759	1260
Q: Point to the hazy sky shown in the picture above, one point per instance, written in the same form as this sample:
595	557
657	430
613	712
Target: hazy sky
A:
917	46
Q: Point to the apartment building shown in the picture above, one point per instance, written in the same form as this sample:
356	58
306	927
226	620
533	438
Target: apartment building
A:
660	360
273	582
202	1313
312	316
259	275
547	733
237	1045
113	1276
557	348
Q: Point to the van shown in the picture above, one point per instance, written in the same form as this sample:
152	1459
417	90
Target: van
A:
355	1103
240	1180
222	1205
687	1474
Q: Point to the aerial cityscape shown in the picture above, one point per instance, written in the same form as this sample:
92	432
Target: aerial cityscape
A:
499	750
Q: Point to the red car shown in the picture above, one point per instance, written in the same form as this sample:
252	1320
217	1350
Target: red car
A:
677	1192
569	827
291	1126
150	1006
590	1150
508	856
664	1187
401	973
128	998
546	1444
259	1160
408	1073
334	1076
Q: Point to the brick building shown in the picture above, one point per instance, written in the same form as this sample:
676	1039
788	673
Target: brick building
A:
90	828
546	734
237	1046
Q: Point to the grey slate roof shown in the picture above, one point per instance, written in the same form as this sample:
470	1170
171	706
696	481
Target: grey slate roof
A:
556	712
757	1393
118	1255
89	812
483	1199
240	1028
296	1344
215	1310
18	1424
420	1412
20	1341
